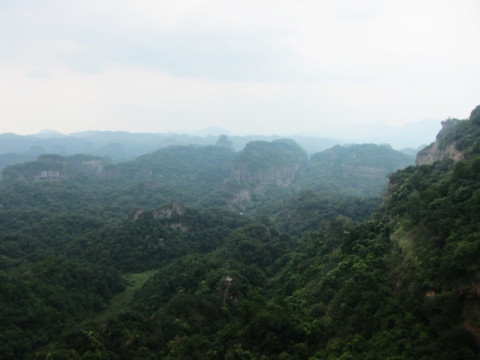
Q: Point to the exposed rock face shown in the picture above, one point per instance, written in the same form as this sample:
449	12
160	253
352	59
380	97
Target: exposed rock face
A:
56	167
48	174
242	196
94	166
442	148
168	211
434	153
137	214
240	200
281	176
264	163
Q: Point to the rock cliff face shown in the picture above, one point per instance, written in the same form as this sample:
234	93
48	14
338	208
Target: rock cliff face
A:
56	167
434	153
243	196
280	175
457	140
443	147
48	174
168	211
264	163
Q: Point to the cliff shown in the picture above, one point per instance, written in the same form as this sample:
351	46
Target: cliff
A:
456	140
56	167
264	163
441	149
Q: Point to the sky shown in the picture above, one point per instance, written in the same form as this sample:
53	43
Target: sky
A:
251	67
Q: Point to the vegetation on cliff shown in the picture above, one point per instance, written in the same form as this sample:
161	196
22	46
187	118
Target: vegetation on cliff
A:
117	269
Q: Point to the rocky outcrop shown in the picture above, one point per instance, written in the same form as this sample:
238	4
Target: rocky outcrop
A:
264	163
168	211
281	176
434	153
457	140
48	174
444	147
92	166
56	167
243	196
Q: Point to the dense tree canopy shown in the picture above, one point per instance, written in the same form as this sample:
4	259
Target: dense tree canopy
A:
160	262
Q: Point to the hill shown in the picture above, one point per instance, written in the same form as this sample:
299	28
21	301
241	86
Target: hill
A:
355	169
96	267
263	163
121	146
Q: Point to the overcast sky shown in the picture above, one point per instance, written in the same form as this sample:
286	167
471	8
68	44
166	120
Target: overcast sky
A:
249	66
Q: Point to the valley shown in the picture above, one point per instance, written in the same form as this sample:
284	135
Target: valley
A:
265	252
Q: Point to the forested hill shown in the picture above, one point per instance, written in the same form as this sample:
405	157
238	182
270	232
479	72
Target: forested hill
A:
95	268
356	169
196	173
456	140
121	146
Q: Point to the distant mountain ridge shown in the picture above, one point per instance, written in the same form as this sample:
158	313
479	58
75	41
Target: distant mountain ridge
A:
236	177
121	146
357	169
174	256
264	163
56	167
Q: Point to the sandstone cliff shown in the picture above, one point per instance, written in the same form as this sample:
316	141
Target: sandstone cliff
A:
56	167
442	148
264	163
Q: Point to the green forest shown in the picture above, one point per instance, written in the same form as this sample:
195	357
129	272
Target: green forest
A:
202	252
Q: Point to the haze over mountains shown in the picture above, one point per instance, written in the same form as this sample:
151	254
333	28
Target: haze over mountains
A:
203	252
124	146
240	180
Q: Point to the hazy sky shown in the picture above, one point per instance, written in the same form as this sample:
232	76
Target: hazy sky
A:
262	66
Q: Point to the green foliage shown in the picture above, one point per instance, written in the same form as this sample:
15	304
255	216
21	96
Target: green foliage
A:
38	299
355	169
475	115
114	267
307	209
463	135
263	155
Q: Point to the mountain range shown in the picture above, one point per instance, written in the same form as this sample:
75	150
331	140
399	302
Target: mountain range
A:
206	251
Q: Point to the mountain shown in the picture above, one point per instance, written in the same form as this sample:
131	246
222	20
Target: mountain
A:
56	167
456	140
149	263
123	146
263	163
218	176
355	169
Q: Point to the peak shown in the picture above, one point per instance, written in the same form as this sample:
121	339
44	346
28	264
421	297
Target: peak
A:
223	141
47	133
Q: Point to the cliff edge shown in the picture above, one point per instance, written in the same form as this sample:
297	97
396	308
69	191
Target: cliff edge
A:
456	140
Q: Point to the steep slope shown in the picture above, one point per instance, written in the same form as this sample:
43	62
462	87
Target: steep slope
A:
306	283
456	139
175	163
308	210
355	169
264	163
51	167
